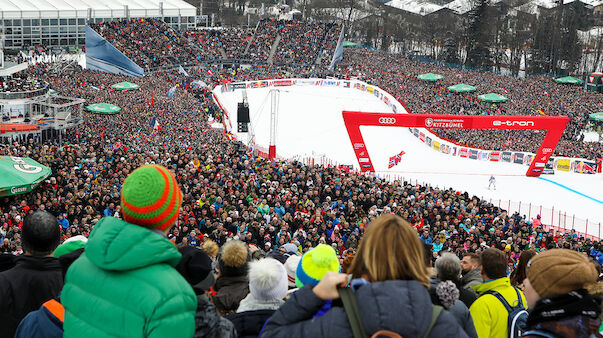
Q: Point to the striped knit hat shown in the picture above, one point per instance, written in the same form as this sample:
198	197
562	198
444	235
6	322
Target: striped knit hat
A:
150	197
314	264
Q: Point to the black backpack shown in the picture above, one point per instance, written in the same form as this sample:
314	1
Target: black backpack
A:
350	305
518	316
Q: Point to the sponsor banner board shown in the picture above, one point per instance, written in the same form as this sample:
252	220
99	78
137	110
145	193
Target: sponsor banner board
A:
564	164
507	156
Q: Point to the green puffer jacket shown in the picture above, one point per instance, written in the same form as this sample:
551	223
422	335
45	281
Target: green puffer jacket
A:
125	285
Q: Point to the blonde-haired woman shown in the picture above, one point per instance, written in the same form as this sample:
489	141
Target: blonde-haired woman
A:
390	284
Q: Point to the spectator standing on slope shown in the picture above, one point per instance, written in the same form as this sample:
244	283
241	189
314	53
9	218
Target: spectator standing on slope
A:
471	265
37	276
490	315
559	304
125	284
390	287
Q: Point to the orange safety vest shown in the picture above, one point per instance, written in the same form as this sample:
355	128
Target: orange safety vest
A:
56	309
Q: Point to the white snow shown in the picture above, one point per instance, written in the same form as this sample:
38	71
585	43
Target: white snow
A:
460	6
310	123
414	6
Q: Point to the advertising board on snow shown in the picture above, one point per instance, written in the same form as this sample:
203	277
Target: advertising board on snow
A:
436	145
563	164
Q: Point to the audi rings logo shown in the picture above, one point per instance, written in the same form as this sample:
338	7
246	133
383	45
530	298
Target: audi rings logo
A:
387	120
428	122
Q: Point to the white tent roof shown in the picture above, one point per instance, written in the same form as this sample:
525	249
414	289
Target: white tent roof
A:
100	8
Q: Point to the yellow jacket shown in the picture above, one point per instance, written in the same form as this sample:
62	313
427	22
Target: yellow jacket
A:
489	314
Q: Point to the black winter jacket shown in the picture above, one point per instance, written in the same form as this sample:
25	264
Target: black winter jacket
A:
400	306
209	324
249	324
24	288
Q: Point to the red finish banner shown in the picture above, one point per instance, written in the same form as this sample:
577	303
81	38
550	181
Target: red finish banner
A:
553	125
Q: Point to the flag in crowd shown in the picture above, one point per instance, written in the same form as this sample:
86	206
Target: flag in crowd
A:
182	71
171	92
155	124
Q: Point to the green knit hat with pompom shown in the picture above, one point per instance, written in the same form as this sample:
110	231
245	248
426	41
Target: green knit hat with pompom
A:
150	197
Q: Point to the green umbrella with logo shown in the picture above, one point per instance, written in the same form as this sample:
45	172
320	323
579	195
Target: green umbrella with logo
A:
461	88
125	86
20	175
430	77
596	117
568	80
492	97
103	108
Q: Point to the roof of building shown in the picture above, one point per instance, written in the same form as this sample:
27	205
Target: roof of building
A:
100	8
415	6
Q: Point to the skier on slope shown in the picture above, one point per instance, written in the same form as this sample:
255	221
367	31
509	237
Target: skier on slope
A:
492	182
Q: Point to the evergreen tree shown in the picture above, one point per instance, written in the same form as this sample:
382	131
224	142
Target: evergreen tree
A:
478	34
449	49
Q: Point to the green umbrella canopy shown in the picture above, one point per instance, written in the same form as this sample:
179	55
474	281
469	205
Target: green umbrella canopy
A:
103	108
125	86
430	77
349	44
20	175
569	80
462	88
492	97
596	117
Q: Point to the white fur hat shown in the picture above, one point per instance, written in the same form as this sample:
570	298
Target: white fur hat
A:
267	279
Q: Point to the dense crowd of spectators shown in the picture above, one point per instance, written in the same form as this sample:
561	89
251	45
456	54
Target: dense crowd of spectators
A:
302	42
149	43
532	96
228	43
228	192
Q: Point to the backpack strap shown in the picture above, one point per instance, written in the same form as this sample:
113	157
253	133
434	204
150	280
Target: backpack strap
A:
436	311
519	301
504	301
350	305
501	299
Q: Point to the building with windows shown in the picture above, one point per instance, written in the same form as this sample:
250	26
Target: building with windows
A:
62	23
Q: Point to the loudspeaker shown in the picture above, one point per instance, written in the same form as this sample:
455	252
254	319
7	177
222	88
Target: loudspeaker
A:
242	127
243	113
